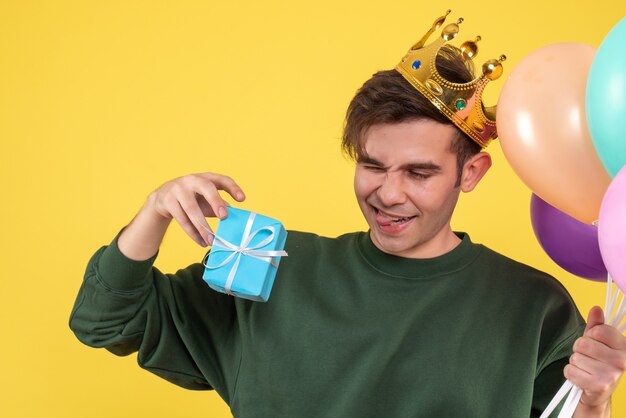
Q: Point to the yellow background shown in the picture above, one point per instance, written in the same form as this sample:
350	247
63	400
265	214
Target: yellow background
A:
103	101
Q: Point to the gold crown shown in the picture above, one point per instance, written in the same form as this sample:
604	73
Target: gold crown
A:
460	102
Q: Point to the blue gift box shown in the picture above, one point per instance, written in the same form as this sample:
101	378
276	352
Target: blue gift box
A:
245	255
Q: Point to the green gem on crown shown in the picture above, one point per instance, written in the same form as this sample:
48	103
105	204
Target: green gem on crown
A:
460	104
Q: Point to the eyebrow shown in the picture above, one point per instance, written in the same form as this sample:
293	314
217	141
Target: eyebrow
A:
409	166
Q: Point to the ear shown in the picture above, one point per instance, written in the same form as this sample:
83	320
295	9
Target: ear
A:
473	170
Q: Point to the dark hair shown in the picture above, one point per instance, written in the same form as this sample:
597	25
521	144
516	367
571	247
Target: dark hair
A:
388	98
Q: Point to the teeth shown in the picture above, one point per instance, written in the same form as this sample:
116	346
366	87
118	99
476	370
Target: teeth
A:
399	221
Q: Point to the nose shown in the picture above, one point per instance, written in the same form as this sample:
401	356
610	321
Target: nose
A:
391	191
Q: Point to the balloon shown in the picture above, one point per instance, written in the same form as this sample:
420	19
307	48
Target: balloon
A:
543	130
612	229
571	244
606	99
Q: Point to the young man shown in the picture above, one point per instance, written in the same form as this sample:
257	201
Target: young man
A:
408	319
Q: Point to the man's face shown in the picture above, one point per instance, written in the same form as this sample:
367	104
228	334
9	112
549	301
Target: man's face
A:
405	186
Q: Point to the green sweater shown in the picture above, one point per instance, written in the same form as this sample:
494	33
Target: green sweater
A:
348	331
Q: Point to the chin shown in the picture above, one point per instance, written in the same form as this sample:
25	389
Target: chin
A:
392	245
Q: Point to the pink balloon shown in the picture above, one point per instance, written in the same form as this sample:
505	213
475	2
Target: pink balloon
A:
612	229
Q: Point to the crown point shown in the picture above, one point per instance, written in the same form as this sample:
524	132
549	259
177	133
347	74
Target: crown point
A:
436	25
458	22
450	31
492	69
502	58
439	21
469	49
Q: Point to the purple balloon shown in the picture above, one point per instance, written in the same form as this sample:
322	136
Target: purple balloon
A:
571	244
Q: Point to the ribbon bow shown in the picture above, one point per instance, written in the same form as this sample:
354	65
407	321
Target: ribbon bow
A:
244	248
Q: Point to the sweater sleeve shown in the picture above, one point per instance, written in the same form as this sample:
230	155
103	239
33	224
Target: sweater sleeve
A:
562	325
547	385
181	329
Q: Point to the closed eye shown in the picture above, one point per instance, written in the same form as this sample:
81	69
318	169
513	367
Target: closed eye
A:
418	175
374	168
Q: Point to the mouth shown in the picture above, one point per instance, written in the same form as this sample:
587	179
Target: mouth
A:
391	223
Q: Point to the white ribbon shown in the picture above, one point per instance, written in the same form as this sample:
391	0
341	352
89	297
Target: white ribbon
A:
244	248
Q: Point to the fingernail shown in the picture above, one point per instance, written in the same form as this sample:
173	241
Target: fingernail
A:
240	196
222	212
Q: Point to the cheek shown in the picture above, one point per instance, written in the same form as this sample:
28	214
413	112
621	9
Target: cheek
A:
443	202
364	183
432	197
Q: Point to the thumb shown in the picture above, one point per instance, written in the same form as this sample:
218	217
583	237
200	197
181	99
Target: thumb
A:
595	317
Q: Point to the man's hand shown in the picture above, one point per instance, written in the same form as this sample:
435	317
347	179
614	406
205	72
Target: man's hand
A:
191	198
188	200
597	365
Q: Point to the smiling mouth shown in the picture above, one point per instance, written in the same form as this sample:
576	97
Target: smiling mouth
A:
384	219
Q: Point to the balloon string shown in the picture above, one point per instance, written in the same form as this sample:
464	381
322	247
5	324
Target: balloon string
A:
609	288
614	317
567	386
619	312
567	405
609	310
571	403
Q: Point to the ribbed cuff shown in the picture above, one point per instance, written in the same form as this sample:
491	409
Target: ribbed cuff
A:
120	272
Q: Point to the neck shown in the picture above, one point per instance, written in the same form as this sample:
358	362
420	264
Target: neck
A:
442	243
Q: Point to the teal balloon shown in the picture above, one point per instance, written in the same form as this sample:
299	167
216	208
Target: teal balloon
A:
605	100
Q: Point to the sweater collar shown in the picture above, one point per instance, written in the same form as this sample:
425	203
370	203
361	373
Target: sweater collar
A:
418	268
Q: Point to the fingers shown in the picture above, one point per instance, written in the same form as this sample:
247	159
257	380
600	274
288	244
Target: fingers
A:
207	186
592	348
183	220
190	199
227	184
589	365
210	194
593	376
597	380
194	215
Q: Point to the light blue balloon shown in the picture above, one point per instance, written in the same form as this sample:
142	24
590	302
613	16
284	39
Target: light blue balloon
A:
606	100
